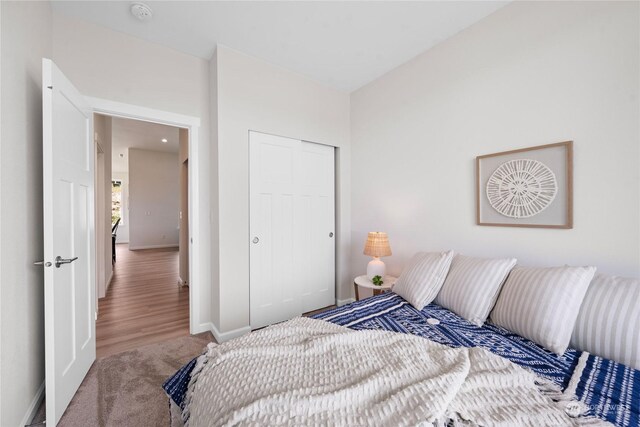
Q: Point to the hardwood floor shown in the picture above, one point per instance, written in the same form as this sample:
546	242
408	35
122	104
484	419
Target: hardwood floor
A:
320	310
144	304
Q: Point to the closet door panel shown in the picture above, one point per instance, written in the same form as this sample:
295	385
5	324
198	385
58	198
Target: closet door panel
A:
272	288
317	183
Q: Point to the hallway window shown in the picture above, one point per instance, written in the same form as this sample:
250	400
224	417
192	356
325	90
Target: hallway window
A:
116	201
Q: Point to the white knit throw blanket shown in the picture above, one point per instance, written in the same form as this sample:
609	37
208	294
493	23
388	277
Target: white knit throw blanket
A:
311	372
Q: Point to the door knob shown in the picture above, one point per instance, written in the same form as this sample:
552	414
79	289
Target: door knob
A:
255	240
60	261
331	234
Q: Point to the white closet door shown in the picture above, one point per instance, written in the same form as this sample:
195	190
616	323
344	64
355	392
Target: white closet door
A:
292	248
314	224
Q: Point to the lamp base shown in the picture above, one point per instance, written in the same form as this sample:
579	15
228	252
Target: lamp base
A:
375	268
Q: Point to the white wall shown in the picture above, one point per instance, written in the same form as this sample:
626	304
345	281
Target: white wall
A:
254	95
154	199
99	217
532	73
123	228
183	169
107	64
25	39
213	185
102	131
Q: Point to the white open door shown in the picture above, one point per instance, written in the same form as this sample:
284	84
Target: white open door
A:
68	164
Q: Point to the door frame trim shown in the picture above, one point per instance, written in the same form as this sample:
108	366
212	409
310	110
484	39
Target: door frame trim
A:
192	123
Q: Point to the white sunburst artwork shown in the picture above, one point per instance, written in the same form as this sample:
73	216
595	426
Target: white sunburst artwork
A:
521	188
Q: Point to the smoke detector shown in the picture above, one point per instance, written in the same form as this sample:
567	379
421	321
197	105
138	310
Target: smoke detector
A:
141	11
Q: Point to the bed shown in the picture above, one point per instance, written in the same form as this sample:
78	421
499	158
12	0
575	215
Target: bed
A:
606	390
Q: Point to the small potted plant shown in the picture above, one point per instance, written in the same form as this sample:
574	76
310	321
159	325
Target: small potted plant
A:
377	280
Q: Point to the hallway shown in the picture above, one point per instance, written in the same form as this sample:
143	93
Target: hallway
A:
144	304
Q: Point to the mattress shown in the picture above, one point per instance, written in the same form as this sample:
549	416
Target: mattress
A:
607	390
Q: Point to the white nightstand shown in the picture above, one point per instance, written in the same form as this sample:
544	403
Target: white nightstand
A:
363	281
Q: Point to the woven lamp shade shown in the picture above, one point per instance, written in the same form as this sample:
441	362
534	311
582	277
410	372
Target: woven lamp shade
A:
377	244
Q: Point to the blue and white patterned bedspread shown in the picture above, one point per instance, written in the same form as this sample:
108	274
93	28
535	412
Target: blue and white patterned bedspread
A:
610	390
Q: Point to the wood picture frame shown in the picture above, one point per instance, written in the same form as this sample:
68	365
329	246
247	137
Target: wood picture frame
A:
559	157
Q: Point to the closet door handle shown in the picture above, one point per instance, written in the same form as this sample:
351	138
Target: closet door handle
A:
255	240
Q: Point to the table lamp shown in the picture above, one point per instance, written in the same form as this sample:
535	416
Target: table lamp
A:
377	245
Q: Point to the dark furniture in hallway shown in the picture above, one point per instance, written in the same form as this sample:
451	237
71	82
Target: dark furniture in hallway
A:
114	232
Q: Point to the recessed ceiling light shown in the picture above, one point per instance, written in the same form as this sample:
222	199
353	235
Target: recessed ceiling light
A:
164	140
141	11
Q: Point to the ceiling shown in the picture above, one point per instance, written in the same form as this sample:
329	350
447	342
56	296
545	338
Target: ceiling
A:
342	44
127	133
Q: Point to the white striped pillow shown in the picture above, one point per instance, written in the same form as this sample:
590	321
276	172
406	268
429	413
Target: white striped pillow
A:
608	324
542	304
472	286
421	280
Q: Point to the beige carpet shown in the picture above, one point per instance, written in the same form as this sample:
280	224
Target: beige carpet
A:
125	389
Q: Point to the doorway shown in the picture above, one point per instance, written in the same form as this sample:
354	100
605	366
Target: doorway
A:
142	295
192	127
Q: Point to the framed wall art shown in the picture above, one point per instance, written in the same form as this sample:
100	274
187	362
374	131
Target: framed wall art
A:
529	187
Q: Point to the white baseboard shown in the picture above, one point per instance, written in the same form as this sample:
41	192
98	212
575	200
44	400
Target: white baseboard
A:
341	302
137	248
106	287
226	336
33	406
202	327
